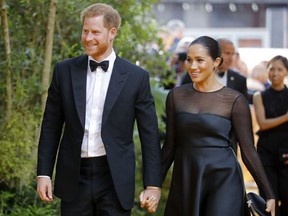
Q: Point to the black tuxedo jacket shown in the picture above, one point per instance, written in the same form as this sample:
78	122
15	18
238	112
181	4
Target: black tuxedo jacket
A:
128	99
237	82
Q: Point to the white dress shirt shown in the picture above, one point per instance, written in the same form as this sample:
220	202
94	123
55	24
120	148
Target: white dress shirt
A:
222	80
96	89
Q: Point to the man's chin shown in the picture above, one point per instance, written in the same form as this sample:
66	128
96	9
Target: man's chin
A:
90	52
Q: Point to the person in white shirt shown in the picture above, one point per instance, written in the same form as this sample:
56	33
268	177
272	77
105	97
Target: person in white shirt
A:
93	102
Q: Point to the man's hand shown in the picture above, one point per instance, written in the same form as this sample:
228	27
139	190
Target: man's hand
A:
44	189
150	198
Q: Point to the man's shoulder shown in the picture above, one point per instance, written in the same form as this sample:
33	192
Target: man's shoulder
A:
74	60
237	75
128	65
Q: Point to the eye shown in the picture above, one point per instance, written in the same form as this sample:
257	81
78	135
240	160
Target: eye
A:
189	61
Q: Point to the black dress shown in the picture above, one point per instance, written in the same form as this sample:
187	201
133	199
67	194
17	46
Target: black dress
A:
207	179
273	143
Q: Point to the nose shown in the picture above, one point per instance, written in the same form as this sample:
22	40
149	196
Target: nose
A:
193	65
88	36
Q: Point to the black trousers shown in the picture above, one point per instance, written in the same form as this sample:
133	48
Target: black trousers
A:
96	195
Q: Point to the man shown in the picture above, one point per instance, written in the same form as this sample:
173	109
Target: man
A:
88	124
227	76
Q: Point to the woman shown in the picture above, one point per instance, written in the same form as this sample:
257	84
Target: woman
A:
207	179
271	106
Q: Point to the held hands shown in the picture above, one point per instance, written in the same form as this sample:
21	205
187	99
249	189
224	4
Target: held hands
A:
270	206
44	189
150	198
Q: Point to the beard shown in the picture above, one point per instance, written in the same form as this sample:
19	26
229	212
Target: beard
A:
97	50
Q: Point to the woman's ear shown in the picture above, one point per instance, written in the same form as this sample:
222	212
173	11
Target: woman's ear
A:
218	62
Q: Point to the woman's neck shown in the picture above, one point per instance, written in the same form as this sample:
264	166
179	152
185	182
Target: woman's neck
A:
278	87
207	87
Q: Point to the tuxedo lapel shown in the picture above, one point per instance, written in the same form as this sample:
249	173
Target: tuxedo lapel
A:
117	82
78	79
230	80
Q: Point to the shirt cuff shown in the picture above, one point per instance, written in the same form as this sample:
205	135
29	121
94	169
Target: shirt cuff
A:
43	176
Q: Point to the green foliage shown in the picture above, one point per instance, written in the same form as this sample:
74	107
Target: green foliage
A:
18	148
159	95
25	202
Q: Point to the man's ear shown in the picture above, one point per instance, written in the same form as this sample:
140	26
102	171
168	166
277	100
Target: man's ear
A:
112	33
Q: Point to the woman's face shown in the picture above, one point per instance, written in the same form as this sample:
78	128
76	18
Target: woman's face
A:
199	64
277	72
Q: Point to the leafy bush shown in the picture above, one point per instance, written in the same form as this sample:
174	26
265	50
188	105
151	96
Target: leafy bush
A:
18	150
25	202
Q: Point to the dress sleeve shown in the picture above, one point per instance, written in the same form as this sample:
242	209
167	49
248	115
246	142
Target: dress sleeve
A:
242	124
168	149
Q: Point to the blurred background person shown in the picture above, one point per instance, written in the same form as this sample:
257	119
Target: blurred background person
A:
176	70
183	44
179	66
271	106
259	72
176	28
239	65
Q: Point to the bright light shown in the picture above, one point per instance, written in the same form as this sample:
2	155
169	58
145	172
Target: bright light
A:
255	7
232	7
186	6
208	7
161	7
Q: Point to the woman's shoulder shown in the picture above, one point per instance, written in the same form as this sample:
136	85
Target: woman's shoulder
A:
230	91
182	88
231	96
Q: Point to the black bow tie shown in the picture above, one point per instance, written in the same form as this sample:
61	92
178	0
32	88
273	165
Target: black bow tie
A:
221	74
104	65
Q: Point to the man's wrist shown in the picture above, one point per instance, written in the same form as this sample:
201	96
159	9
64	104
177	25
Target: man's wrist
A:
43	176
153	188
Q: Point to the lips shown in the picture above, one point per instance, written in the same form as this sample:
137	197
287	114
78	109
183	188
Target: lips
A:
195	73
89	46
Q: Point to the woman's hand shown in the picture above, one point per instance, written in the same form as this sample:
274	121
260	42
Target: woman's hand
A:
150	198
270	206
285	156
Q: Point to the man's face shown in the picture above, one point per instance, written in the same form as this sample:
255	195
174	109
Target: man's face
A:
96	39
228	53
